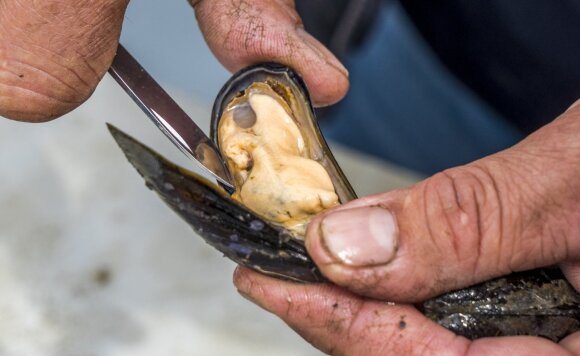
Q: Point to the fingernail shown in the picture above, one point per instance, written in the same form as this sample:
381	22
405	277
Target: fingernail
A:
360	237
321	51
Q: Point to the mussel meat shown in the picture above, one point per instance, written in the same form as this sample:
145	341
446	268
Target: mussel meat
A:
283	169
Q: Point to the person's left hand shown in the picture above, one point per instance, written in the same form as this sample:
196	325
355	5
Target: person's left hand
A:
515	210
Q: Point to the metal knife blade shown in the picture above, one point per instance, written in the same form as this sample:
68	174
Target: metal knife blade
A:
168	116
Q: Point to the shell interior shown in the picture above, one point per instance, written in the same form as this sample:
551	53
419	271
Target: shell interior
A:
266	130
289	86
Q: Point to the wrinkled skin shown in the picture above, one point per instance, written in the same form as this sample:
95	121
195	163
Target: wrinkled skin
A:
53	53
514	210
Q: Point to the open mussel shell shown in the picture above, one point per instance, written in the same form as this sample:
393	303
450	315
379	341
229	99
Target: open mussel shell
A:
291	88
539	302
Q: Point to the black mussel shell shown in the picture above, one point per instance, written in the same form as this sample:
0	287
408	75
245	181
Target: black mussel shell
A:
540	302
226	225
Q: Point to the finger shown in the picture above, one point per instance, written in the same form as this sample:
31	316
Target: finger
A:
242	32
572	343
340	323
512	211
53	53
516	346
571	270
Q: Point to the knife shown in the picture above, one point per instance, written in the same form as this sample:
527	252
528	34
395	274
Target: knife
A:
168	116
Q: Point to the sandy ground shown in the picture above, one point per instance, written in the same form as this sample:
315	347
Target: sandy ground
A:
93	263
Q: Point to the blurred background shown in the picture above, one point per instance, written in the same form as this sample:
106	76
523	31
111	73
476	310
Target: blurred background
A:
91	261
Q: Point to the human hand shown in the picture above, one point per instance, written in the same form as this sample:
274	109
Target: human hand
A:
245	32
515	210
53	53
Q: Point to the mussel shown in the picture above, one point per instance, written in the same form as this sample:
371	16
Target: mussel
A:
264	125
267	241
267	235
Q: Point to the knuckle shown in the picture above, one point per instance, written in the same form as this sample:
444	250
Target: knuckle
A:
463	214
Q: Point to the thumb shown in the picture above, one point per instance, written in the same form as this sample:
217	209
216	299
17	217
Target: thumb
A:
515	210
241	32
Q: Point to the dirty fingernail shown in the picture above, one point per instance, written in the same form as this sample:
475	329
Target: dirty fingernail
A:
360	237
321	51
